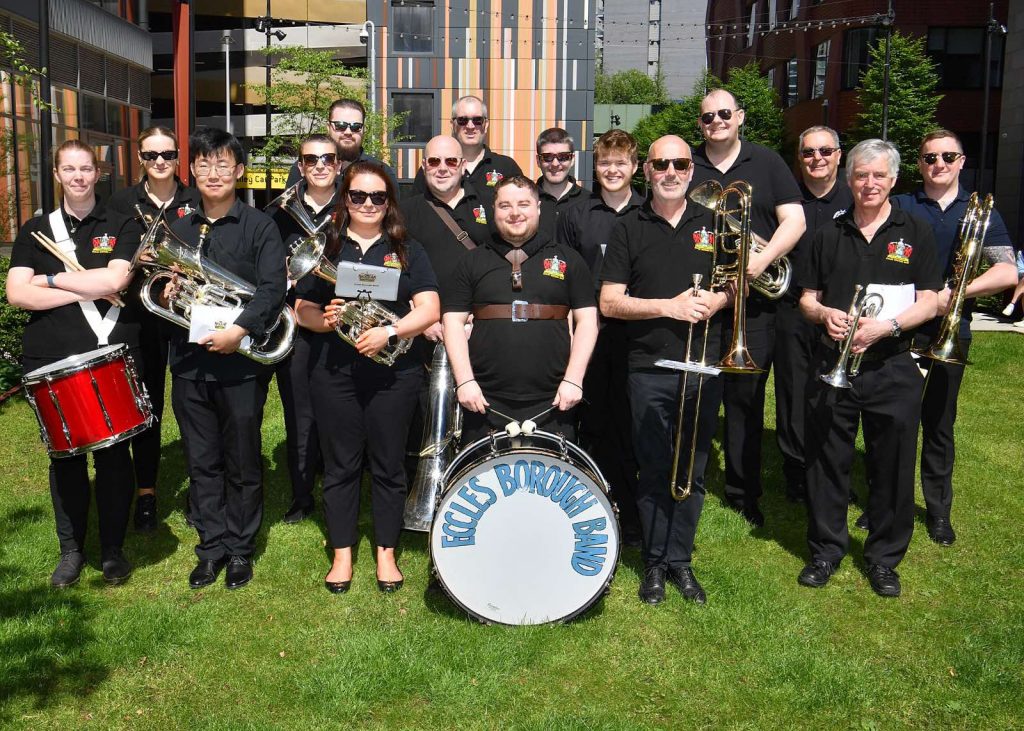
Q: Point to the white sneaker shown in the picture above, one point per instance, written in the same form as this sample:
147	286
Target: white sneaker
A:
1019	323
1008	310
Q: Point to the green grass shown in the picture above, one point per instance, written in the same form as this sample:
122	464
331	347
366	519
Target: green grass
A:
764	653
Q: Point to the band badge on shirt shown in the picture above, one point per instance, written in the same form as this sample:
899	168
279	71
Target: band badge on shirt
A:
554	267
837	214
899	251
480	213
103	244
704	240
493	178
185	210
392	260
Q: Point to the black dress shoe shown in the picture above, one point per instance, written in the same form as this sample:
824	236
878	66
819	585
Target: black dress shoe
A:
338	587
297	513
145	512
884	580
683	579
205	572
239	572
116	568
69	568
940	530
816	574
652	586
389	587
862	522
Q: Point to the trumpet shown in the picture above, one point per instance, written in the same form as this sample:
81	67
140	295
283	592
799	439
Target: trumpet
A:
866	305
306	253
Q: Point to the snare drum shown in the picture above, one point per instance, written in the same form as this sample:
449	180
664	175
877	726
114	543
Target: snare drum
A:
88	401
524	532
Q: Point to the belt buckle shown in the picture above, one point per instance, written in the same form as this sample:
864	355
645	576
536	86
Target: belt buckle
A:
519	318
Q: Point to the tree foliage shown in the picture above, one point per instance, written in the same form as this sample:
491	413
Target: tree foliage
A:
630	87
12	325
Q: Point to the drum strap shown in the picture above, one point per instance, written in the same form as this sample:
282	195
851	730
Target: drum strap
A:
101	325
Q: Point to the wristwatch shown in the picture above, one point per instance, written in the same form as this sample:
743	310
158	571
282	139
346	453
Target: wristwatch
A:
896	329
392	335
49	281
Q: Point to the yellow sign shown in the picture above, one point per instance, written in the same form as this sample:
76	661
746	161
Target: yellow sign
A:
256	178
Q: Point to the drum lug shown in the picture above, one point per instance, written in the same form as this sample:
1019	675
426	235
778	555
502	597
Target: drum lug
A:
103	406
562	448
60	413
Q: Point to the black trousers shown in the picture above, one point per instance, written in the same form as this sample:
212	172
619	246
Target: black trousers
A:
364	405
938	415
795	340
220	428
302	443
152	362
886	398
668	526
477	426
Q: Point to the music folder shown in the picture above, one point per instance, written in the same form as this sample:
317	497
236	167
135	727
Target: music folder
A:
368	281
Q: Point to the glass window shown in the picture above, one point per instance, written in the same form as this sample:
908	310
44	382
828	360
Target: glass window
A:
856	56
820	67
65	106
772	13
94	112
418	126
959	54
792	95
412	26
753	25
794	10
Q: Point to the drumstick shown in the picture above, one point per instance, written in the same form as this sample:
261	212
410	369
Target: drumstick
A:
70	264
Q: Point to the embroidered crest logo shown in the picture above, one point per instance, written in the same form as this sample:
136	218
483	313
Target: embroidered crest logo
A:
493	178
899	251
185	210
704	240
554	267
220	325
103	244
391	260
480	213
838	213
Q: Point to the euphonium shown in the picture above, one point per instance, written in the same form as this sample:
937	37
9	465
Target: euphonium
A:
866	305
306	253
162	255
946	346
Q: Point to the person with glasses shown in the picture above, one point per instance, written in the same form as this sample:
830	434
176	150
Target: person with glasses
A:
941	202
647	282
484	168
556	156
159	191
362	405
346	125
218	394
887	251
777	217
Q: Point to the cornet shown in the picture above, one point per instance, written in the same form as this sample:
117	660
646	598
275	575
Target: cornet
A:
866	305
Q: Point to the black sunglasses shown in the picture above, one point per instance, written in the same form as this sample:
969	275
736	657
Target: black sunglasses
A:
341	126
463	121
377	197
930	158
550	157
452	162
328	158
808	152
152	155
725	114
661	163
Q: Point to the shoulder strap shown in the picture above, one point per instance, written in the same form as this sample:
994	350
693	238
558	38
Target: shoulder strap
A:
460	235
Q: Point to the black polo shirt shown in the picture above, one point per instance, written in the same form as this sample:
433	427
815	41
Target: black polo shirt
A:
817	213
520	360
902	251
946	226
246	243
657	261
490	171
186	199
587	225
99	238
328	350
295	174
551	208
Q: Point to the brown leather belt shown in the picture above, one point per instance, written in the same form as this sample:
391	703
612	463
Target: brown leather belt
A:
521	311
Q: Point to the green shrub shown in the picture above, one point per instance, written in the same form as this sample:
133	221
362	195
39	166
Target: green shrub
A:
12	325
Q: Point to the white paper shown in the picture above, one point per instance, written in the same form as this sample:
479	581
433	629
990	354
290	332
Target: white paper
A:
206	319
898	298
355	280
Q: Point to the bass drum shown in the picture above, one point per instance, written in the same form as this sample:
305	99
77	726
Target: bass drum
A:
524	532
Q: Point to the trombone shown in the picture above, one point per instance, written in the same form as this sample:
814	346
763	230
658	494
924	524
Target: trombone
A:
863	305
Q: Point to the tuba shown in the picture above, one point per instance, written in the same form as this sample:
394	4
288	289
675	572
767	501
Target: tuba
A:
306	253
946	346
442	427
866	305
161	255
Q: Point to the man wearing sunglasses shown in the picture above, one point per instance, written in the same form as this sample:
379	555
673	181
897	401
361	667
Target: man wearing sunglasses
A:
346	126
942	202
556	155
777	217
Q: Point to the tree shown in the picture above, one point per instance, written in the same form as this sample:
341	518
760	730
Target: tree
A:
676	119
912	100
630	87
764	122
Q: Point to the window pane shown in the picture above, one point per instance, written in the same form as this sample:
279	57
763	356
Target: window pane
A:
959	55
792	90
419	125
856	55
820	68
412	27
93	113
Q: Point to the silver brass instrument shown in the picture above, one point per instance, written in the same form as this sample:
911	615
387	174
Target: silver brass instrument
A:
161	255
946	346
773	281
442	428
863	305
307	252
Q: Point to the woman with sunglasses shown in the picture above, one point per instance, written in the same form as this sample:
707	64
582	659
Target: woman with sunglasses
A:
158	189
360	403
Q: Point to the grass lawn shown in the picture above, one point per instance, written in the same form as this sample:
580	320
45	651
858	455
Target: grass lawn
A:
764	653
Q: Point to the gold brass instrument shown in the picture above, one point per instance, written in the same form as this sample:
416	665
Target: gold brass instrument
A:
866	305
306	253
161	255
773	281
946	346
442	428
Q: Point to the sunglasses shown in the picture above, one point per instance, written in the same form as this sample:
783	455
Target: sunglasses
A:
808	152
661	164
930	158
452	162
377	197
151	156
550	157
463	121
725	114
328	158
342	126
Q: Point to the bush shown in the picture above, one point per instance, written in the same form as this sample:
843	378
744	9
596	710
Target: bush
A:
12	325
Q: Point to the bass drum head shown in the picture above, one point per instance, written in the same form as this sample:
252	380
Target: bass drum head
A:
74	363
523	536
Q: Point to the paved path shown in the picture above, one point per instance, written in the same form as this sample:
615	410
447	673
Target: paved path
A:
983	322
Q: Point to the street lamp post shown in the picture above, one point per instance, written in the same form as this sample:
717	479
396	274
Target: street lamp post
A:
369	37
992	28
226	40
266	25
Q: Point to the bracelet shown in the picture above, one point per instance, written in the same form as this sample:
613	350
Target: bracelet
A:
464	383
49	281
573	384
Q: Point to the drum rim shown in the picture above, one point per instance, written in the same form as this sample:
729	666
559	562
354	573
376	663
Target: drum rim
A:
74	363
102	443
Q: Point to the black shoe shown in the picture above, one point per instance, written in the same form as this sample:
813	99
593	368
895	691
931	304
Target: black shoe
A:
297	513
940	530
749	510
205	572
69	568
239	572
389	587
683	579
853	498
116	568
652	587
884	580
796	494
338	587
862	522
145	512
816	574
